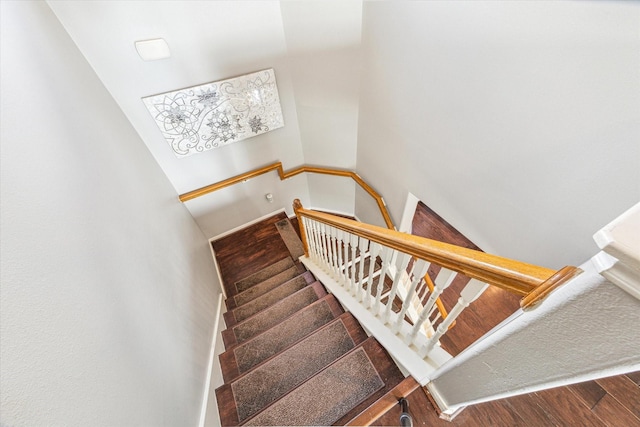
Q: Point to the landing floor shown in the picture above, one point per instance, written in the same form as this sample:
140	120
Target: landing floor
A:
611	402
608	402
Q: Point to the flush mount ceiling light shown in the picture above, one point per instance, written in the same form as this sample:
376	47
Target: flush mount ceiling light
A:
150	50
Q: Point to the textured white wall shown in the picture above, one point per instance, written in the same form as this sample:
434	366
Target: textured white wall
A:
323	51
108	288
209	41
518	122
585	330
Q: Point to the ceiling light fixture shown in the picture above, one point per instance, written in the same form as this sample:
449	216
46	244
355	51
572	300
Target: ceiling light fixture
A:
151	50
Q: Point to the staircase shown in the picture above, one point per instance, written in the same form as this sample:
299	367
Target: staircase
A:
292	356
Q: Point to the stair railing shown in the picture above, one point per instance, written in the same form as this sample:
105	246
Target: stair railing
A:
364	265
277	166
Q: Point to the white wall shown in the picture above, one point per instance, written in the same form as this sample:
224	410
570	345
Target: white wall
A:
209	41
108	287
518	122
585	330
323	51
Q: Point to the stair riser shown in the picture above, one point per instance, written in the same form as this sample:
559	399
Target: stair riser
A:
263	287
270	298
235	361
275	377
264	274
270	317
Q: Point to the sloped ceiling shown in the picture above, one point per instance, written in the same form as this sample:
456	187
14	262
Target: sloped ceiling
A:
209	41
215	40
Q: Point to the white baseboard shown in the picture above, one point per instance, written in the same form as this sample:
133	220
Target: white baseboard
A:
240	227
331	211
212	354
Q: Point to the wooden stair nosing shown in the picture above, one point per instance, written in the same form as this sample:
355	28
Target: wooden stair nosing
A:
389	373
231	317
285	262
228	362
232	302
224	393
228	335
384	365
385	403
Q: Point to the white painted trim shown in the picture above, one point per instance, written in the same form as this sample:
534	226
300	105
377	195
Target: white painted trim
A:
619	238
617	273
446	413
330	211
212	353
619	260
215	263
406	224
421	369
240	227
334	212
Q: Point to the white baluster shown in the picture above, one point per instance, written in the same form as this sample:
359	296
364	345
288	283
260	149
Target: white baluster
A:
334	254
470	293
340	242
317	244
374	250
442	282
404	261
362	246
337	248
422	267
325	248
387	256
311	239
354	246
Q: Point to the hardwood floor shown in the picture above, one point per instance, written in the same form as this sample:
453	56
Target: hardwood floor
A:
612	402
249	250
243	255
489	310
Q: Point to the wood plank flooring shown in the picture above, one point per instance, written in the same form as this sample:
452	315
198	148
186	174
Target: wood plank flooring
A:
249	250
612	402
489	310
246	252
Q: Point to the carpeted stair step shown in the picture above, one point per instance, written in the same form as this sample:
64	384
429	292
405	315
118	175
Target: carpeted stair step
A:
336	394
241	358
262	288
273	315
264	274
265	383
268	299
290	238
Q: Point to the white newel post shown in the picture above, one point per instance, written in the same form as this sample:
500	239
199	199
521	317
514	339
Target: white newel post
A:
587	329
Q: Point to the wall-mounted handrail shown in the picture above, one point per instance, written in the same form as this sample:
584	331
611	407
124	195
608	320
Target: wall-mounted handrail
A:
277	166
527	280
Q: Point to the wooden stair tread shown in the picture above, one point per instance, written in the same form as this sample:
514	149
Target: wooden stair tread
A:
290	237
274	378
268	299
261	288
273	315
243	357
331	394
263	274
389	373
382	405
287	359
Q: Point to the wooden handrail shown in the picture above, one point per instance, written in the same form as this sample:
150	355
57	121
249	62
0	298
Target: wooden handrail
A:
277	166
514	276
